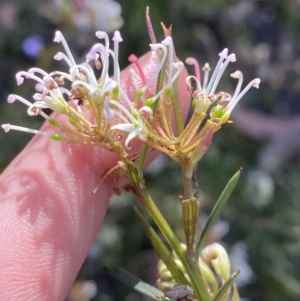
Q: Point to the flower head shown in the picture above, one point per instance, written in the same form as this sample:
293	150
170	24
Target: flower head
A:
206	92
111	109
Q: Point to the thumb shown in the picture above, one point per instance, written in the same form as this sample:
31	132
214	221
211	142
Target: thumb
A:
49	214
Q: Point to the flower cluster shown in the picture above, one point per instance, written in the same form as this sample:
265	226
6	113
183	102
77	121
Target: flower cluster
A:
96	110
214	266
100	112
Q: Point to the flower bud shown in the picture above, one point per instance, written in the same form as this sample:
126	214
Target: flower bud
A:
217	255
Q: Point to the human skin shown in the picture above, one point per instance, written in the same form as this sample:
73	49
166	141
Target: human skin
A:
49	215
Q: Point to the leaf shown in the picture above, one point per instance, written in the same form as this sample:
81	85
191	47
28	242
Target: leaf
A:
134	282
163	252
223	290
219	206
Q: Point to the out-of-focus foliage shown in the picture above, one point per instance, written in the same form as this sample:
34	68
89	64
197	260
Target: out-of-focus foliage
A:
264	212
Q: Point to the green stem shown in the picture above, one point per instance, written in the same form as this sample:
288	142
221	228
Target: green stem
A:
142	158
162	250
187	183
192	271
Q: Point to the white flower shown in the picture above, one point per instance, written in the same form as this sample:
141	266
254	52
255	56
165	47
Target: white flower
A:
134	126
208	87
82	77
238	94
110	105
206	91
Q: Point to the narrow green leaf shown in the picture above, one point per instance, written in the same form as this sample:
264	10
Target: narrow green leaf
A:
219	206
134	282
190	209
163	252
196	280
224	288
142	157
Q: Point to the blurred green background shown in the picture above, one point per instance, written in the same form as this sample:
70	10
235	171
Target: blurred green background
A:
260	226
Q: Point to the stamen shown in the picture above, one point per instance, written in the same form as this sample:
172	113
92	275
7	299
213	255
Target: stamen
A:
122	117
59	38
237	74
7	127
193	61
103	35
61	56
127	100
92	55
13	97
50	83
37	70
37	96
230	58
79	84
62	74
168	41
206	70
223	56
160	65
231	105
117	39
123	109
20	78
41	88
88	72
64	90
179	66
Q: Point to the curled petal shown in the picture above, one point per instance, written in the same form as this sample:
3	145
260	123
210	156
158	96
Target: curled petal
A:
194	62
132	135
146	110
109	113
188	82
